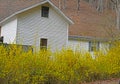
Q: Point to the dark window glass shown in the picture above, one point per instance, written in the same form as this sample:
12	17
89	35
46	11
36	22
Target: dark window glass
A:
0	30
94	46
1	39
45	11
43	43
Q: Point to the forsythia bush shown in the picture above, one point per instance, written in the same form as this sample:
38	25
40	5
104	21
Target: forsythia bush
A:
63	67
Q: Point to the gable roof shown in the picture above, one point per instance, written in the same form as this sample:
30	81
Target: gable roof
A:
24	8
9	7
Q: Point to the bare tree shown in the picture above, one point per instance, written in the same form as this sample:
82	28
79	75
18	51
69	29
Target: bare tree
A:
91	1
100	6
64	4
117	9
78	4
59	4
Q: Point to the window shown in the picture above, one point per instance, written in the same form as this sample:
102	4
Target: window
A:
0	30
45	11
43	43
94	46
1	39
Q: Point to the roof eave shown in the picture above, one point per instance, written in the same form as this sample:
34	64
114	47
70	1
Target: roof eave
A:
23	11
58	10
88	38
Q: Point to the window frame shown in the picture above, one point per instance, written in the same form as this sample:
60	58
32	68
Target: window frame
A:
45	11
1	39
0	30
94	46
43	43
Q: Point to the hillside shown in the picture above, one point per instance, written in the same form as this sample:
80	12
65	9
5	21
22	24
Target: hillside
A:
88	22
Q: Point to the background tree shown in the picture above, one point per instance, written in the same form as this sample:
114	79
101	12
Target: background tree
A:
100	6
78	4
117	9
59	4
64	4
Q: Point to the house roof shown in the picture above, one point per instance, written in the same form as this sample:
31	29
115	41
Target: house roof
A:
12	12
9	7
88	22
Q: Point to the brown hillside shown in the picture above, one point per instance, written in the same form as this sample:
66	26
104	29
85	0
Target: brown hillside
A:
87	21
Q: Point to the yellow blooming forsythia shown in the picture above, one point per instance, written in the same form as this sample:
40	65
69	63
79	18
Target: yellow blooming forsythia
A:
63	67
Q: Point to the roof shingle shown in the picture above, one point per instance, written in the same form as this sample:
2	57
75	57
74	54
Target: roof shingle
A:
8	7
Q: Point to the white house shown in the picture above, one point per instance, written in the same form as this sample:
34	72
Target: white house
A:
42	25
88	44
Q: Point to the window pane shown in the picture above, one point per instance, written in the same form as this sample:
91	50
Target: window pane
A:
1	39
90	45
0	30
93	46
45	11
43	43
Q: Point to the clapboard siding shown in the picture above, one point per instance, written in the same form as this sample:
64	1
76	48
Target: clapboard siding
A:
104	46
84	45
8	30
78	45
32	27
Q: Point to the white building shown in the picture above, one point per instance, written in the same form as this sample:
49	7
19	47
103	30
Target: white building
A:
41	25
88	44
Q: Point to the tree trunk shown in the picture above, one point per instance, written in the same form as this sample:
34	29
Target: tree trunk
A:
118	17
117	9
64	4
59	4
78	5
100	6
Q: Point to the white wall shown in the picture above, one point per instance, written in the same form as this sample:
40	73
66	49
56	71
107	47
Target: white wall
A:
8	30
104	46
78	45
84	45
32	27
